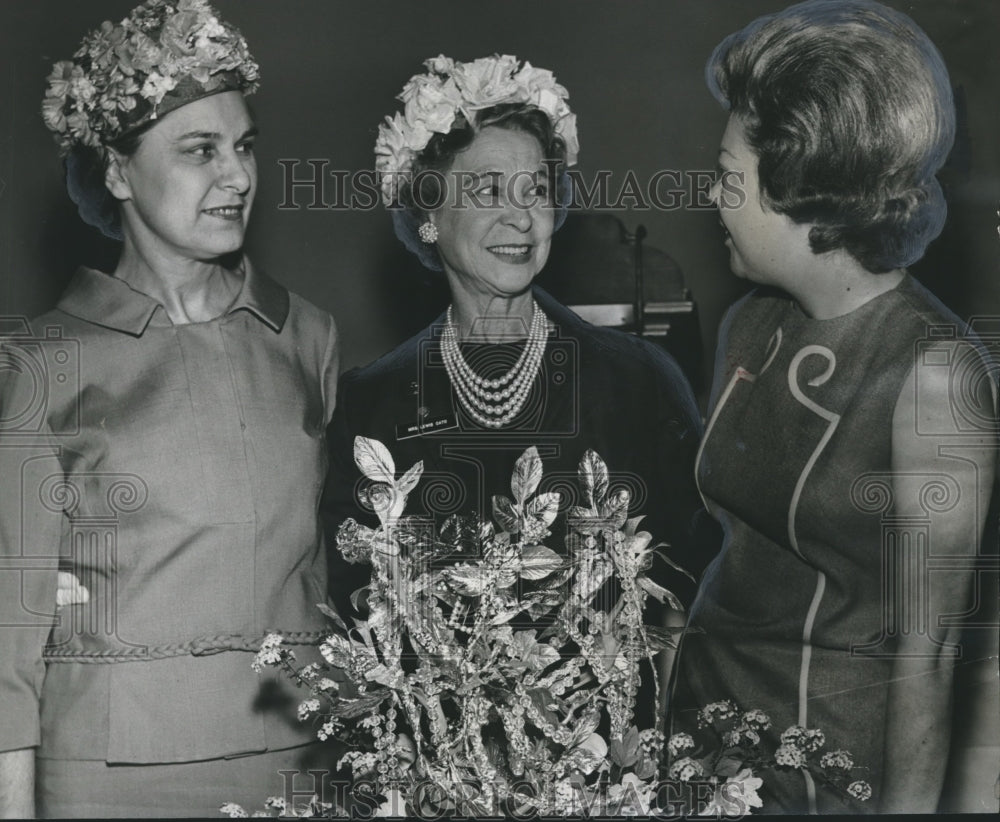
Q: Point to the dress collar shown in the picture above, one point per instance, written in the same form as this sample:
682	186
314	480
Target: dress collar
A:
104	300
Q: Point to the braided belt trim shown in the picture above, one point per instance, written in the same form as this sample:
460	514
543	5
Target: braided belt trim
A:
201	646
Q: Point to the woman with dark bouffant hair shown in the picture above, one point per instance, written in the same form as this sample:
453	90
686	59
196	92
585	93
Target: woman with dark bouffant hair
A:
849	452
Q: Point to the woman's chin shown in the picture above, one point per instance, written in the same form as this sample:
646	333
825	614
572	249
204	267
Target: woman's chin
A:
222	246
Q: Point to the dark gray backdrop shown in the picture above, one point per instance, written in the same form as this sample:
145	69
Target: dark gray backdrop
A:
331	70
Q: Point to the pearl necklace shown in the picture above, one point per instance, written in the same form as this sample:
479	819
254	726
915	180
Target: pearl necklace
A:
495	402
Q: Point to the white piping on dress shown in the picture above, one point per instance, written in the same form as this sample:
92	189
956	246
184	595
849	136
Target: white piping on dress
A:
810	621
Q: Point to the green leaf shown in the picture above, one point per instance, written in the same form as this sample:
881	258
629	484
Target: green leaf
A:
527	475
537	562
544	507
593	478
542	603
661	638
729	766
505	514
374	460
460	535
615	507
578	512
625	752
506	616
383	675
541	656
505	578
659	592
409	480
358	595
675	566
331	614
337	651
353	708
646	768
467	579
540	698
594	744
584	727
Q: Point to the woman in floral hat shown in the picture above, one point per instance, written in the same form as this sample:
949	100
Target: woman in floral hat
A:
473	172
165	423
850	448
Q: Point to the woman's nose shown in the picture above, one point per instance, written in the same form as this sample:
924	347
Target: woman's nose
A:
236	172
715	191
518	215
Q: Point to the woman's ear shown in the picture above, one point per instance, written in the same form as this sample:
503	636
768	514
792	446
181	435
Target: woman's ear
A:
115	177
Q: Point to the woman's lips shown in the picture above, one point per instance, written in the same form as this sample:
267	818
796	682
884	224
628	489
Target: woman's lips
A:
511	253
232	213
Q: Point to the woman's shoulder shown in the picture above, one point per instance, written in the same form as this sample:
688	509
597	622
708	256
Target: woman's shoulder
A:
308	312
917	326
387	370
623	359
941	342
609	347
914	300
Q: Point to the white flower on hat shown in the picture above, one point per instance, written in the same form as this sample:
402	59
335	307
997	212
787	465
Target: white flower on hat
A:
432	102
156	87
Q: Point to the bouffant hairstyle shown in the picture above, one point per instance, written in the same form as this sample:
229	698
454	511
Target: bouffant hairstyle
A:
424	185
849	108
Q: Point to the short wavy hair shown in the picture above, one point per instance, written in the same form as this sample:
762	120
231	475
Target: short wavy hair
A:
440	153
848	106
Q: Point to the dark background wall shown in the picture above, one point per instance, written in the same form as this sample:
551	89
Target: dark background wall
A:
331	71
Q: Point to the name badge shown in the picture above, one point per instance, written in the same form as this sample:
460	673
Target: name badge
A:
427	426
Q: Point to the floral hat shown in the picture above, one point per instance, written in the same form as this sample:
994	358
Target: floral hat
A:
165	54
433	100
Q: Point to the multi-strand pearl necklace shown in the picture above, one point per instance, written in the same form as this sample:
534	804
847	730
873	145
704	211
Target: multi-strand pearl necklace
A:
495	402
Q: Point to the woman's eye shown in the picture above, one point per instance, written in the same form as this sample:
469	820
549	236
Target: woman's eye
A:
202	151
245	148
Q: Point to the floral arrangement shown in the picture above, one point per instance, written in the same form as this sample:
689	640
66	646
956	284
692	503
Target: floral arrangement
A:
433	100
736	752
492	674
119	76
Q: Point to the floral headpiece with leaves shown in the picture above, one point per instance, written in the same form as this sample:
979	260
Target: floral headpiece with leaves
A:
433	100
165	54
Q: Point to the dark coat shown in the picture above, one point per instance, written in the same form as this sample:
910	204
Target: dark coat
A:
600	389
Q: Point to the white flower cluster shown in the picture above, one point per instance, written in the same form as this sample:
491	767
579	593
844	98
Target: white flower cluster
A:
679	743
837	759
269	653
433	100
